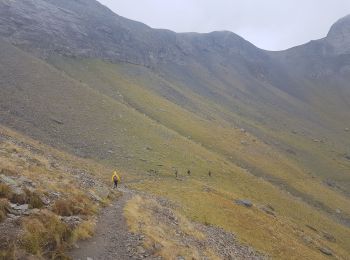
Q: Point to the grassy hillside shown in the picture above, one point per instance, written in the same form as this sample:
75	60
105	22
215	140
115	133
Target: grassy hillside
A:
215	134
126	116
48	198
226	144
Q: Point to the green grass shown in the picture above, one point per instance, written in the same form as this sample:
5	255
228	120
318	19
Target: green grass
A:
113	113
186	139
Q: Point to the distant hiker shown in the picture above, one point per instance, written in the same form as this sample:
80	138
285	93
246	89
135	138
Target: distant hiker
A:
189	172
176	173
115	179
209	173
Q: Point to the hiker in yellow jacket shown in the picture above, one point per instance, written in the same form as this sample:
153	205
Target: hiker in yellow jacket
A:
115	179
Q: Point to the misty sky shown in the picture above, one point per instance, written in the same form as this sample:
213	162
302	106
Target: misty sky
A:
269	24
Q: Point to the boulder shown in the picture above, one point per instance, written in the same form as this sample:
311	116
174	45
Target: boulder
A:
329	237
8	181
45	200
19	210
72	221
268	210
245	203
326	251
26	182
23	207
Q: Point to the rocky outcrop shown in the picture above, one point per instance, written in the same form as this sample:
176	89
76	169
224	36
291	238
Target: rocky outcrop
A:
48	27
339	36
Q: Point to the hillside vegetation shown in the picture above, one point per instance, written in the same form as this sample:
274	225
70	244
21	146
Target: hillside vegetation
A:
167	109
49	199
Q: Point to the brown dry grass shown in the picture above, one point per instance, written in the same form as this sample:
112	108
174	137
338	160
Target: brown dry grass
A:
5	191
141	214
84	231
45	234
77	205
4	206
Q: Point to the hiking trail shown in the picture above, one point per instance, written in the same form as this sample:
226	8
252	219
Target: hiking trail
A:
111	240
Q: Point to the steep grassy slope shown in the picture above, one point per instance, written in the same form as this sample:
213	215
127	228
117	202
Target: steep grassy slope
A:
108	121
215	134
305	88
270	127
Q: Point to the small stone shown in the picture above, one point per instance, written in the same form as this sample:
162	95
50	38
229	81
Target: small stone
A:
337	211
308	240
157	246
141	250
347	129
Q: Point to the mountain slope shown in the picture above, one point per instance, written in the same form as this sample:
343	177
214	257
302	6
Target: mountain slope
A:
79	77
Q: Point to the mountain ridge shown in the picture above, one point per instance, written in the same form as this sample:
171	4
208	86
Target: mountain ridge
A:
269	126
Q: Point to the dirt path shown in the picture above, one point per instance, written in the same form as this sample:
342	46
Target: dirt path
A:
112	239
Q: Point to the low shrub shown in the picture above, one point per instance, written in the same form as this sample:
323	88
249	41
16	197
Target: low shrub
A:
5	191
84	231
8	254
46	235
84	206
8	172
79	205
4	206
63	207
34	199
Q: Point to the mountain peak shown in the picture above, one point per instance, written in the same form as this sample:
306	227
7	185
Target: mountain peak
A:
339	36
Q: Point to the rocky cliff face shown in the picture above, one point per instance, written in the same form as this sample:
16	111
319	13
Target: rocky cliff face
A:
339	36
86	28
